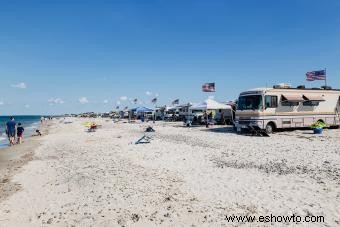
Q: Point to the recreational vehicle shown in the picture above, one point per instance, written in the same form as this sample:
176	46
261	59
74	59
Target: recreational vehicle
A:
284	107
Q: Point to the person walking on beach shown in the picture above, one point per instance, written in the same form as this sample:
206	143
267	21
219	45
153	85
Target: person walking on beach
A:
205	116
11	128
20	133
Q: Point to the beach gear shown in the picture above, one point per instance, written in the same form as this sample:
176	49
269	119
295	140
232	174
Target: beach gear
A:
149	129
92	128
38	132
149	132
143	139
318	130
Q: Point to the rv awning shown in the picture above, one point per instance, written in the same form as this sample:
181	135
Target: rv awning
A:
292	98
316	98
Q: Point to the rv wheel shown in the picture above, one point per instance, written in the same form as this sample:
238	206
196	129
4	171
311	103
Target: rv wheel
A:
269	128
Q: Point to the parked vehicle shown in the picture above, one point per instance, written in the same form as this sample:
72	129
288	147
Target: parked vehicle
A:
283	107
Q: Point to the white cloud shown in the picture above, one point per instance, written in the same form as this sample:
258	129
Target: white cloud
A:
2	103
21	85
149	93
83	100
27	106
105	101
211	97
118	102
156	95
123	98
55	101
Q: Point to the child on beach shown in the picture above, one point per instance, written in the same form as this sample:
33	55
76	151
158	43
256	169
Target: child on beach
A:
20	133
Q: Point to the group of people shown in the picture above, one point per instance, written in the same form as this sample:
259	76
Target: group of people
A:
14	131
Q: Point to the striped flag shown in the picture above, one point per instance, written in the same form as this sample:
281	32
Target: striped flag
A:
154	100
135	101
175	102
208	87
117	107
316	75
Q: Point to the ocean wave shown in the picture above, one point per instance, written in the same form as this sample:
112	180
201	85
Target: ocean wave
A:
2	138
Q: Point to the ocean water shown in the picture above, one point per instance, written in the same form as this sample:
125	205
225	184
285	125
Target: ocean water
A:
30	124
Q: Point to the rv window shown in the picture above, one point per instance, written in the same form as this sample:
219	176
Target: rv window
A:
271	101
311	103
289	103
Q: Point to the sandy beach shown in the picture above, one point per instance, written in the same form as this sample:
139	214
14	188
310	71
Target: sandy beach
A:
184	177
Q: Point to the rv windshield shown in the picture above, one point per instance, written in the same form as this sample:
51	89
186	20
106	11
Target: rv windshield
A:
250	102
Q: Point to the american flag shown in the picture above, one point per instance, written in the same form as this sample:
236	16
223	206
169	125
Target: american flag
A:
117	107
208	87
175	102
316	75
135	101
154	100
126	108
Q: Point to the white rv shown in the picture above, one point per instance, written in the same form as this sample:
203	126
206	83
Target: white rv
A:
285	107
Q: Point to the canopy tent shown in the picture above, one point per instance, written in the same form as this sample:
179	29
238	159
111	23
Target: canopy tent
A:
167	108
210	104
142	109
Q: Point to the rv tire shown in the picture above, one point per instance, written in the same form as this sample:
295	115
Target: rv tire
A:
270	128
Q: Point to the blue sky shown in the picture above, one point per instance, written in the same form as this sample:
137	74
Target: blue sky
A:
55	53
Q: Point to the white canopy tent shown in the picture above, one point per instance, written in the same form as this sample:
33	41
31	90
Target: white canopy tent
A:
210	104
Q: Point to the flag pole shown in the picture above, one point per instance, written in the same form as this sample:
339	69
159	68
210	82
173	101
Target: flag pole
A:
325	78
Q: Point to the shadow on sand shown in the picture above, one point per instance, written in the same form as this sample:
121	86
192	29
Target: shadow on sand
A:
226	129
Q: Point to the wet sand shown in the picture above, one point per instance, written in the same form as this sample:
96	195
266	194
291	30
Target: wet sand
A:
12	159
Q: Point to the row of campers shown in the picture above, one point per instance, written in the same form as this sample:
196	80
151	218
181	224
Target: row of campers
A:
283	107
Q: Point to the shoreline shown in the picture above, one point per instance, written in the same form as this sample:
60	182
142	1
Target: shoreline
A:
29	122
13	159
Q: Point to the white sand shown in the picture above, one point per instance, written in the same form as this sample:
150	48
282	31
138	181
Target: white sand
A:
184	177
